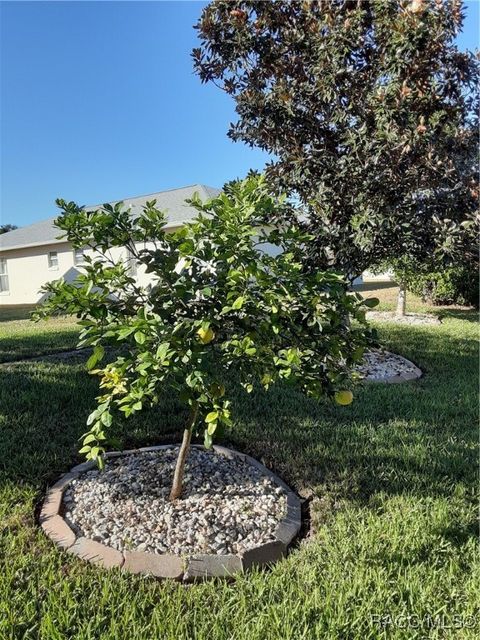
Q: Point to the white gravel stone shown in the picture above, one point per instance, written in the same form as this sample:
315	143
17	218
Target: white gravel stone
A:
227	505
408	318
378	364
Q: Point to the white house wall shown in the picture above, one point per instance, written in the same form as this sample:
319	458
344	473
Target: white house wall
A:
28	271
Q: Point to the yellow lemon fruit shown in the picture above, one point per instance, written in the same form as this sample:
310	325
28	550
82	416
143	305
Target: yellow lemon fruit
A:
343	397
205	335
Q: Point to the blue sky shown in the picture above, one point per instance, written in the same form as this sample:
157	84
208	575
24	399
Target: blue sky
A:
99	102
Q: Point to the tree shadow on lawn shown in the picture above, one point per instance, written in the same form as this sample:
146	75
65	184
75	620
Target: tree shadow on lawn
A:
416	437
13	348
433	349
43	410
468	314
353	453
7	314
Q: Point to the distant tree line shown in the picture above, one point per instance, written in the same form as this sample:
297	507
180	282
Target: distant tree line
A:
4	228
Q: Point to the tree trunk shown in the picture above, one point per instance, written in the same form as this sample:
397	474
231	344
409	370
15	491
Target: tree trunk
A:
177	484
401	300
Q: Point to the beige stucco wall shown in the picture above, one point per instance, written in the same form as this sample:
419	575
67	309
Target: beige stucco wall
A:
28	269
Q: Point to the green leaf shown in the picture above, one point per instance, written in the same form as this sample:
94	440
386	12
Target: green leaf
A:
211	428
358	354
106	419
90	438
360	315
140	337
371	302
98	353
125	332
212	416
238	303
208	440
162	350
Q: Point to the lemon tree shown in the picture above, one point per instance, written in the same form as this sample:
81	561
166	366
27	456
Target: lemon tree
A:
218	308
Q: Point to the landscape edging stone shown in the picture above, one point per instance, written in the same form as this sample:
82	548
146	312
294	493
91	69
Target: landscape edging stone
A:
169	566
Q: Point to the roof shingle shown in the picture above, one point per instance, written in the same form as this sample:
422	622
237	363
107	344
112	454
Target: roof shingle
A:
171	201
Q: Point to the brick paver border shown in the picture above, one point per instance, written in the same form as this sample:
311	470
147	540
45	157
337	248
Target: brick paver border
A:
169	566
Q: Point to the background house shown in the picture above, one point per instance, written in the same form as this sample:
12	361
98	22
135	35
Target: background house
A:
33	255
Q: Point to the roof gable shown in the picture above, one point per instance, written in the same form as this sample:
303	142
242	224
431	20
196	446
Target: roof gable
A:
171	201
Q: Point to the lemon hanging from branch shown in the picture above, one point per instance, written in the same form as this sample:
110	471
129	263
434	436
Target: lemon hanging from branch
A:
206	335
344	397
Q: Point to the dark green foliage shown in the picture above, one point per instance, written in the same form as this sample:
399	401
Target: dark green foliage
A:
454	285
369	111
5	228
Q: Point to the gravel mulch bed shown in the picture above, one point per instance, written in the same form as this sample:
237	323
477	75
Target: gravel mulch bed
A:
227	506
379	364
409	318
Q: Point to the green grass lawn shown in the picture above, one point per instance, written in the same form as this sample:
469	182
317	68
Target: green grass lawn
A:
391	482
22	338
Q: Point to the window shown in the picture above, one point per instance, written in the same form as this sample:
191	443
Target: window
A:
78	256
4	288
53	260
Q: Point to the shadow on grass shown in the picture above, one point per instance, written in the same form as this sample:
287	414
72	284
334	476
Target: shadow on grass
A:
417	438
16	313
470	315
14	348
366	287
353	453
44	407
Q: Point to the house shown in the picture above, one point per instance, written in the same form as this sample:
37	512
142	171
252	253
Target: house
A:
33	255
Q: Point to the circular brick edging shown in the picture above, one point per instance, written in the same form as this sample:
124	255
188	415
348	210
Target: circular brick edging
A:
399	377
188	569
